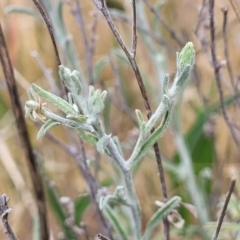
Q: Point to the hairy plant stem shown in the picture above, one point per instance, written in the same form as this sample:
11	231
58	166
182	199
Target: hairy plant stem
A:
128	182
101	5
133	200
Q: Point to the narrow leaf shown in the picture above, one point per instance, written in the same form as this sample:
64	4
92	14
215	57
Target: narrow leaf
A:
87	137
159	215
116	222
55	100
45	127
154	137
80	205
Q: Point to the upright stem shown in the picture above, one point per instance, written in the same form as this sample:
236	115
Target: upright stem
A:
128	181
101	5
135	208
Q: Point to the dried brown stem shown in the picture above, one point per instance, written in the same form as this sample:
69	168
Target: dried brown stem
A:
23	134
4	211
50	29
134	30
223	211
225	41
216	68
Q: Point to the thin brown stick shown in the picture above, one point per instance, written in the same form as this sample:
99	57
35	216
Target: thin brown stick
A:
4	211
51	33
223	211
225	41
216	68
23	134
101	5
50	29
134	30
235	8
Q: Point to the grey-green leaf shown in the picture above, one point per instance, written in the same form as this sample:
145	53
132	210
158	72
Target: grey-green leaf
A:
55	100
154	137
102	143
159	215
45	127
87	137
116	222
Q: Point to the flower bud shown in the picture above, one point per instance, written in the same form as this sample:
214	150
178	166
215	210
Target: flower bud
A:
65	74
185	63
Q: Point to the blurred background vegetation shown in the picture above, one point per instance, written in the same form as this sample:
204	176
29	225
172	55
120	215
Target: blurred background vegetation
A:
197	118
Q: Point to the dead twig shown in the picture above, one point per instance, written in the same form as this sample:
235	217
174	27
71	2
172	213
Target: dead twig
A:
50	29
216	67
225	41
134	30
4	211
23	134
224	208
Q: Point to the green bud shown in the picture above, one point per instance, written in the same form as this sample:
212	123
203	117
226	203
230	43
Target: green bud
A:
76	82
185	63
95	101
65	74
186	57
